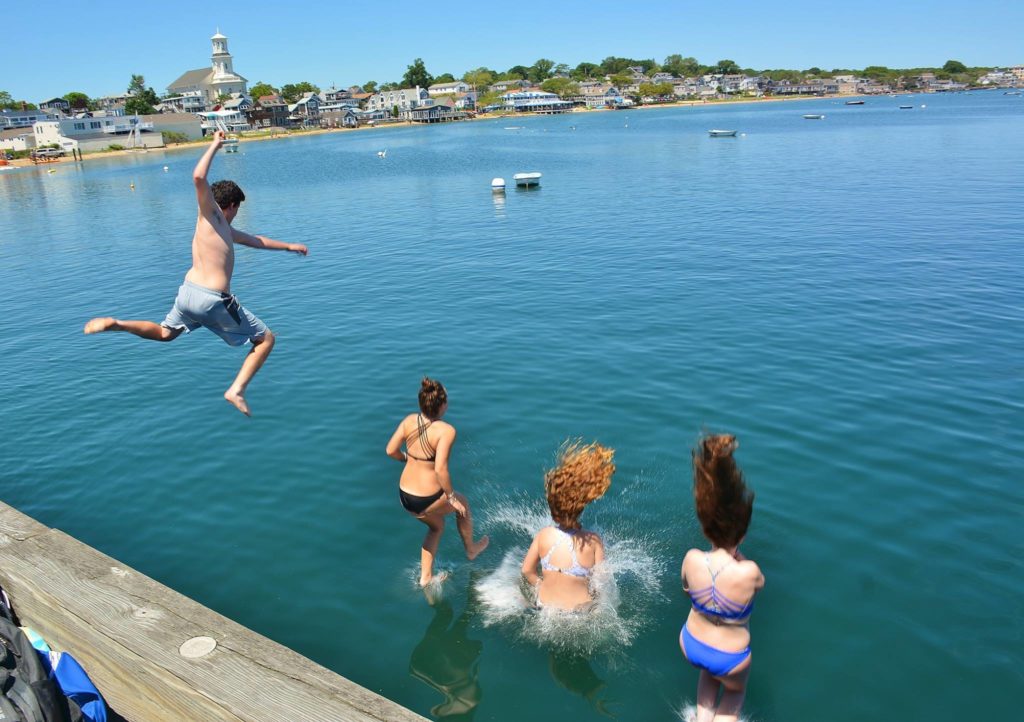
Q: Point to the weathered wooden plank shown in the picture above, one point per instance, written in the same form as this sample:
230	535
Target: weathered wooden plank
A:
127	629
15	526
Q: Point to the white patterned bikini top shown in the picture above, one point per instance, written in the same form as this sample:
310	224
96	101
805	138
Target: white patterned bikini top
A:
575	569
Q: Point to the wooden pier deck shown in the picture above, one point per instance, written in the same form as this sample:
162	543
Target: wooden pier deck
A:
138	640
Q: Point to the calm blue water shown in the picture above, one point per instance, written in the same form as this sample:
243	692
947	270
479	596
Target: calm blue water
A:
844	295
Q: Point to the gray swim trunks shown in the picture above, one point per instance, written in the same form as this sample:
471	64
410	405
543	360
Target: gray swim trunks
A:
220	312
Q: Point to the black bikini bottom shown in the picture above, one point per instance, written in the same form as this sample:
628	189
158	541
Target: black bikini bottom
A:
418	504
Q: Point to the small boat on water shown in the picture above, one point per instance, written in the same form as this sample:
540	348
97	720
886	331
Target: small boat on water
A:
814	116
526	180
722	133
906	107
855	102
1012	92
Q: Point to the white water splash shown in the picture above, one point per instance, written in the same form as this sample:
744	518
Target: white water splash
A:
624	585
688	713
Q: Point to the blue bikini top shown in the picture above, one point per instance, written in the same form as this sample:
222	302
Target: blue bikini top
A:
575	569
711	602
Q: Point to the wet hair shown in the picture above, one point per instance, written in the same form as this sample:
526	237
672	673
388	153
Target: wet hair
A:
432	397
582	474
723	501
227	193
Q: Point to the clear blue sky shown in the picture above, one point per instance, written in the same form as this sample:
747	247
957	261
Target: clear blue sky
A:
70	46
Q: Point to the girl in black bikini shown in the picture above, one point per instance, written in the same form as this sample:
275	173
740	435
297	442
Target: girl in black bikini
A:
425	489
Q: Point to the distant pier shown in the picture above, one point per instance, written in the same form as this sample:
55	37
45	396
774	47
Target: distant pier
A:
158	655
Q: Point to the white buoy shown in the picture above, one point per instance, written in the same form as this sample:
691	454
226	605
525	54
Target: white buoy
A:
165	169
498	185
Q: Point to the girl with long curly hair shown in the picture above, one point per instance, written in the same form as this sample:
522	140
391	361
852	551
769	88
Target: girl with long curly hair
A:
721	582
566	553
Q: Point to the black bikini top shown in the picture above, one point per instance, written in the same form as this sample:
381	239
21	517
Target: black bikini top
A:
421	435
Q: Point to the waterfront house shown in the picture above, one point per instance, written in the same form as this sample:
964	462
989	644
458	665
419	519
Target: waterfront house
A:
234	120
190	101
238	103
306	110
503	86
398	100
535	101
17	139
212	82
90	134
268	111
112	104
338	115
436	111
597	94
1003	78
24	118
455	88
812	86
56	105
334	96
465	101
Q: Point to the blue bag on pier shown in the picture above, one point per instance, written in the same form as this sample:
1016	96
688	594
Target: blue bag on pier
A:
78	688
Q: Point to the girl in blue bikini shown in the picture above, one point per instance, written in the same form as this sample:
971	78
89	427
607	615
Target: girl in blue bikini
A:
721	583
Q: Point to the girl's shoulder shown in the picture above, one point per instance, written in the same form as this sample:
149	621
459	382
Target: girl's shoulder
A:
750	570
692	558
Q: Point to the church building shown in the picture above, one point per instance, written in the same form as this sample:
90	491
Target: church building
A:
198	90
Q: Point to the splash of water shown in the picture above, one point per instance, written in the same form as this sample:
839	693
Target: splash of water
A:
624	586
688	713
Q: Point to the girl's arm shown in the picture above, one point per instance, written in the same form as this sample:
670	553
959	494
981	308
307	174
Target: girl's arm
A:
444	447
394	447
530	563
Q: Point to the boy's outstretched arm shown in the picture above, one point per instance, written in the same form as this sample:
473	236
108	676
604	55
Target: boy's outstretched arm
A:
246	239
207	204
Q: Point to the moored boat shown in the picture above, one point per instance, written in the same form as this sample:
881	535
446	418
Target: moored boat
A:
855	102
814	116
722	133
526	180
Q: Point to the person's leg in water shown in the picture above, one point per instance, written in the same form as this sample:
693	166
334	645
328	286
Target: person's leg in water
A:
428	551
735	690
464	522
433	517
142	329
707	696
261	348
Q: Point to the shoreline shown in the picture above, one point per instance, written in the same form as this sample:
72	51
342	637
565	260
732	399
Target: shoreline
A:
27	163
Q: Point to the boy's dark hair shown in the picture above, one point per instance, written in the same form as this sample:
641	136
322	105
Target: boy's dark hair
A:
227	193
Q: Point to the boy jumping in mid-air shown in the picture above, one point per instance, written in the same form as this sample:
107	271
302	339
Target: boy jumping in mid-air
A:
205	299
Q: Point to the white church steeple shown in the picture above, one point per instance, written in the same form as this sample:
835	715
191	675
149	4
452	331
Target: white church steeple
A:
221	58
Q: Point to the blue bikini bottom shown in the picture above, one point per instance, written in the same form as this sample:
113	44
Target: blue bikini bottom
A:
711	659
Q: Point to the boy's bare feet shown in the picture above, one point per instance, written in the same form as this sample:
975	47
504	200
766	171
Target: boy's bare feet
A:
478	548
99	325
238	401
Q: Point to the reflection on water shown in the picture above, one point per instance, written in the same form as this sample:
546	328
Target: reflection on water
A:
447	659
574	673
499	204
